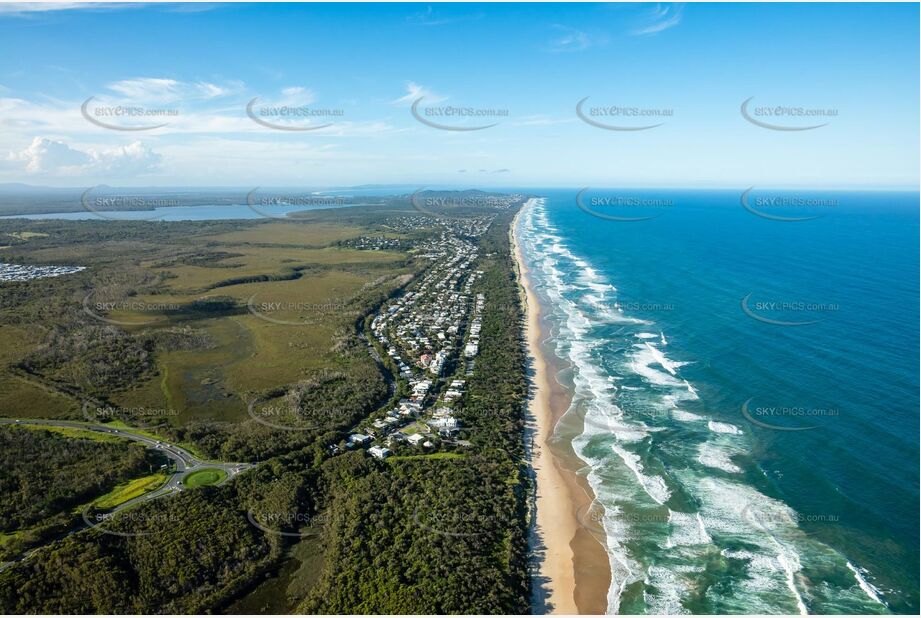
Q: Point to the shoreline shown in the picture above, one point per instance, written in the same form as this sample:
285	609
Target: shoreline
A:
572	574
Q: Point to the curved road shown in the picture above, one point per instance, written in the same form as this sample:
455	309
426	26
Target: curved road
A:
185	462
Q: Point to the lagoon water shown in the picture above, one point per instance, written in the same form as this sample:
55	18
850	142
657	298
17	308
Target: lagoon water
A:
745	392
216	212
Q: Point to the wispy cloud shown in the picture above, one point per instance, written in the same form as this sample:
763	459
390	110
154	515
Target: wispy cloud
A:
660	18
539	120
297	95
23	119
34	8
159	89
31	8
428	17
414	91
569	40
193	7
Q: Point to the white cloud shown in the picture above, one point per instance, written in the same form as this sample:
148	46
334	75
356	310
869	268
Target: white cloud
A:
297	95
570	40
661	17
428	17
57	158
130	160
164	90
210	91
414	91
538	120
48	155
24	8
146	88
292	91
21	120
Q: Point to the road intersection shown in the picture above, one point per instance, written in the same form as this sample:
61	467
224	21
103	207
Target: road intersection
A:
184	461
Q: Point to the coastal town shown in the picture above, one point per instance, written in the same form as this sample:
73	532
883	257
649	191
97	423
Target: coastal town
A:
430	336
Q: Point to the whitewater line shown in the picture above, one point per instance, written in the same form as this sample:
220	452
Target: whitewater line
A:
866	586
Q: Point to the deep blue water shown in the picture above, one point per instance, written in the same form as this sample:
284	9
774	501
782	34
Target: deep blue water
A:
746	392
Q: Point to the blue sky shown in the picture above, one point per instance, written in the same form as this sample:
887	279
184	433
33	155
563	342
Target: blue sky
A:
688	67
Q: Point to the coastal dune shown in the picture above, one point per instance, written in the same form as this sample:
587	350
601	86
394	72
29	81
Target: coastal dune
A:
572	572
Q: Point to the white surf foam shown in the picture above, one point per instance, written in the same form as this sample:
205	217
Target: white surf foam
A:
670	589
653	485
869	589
686	529
712	456
729	428
641	362
669	365
738	511
685	417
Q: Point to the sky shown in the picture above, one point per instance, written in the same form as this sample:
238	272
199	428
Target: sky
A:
510	76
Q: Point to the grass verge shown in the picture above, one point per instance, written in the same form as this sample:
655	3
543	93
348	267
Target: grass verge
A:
130	490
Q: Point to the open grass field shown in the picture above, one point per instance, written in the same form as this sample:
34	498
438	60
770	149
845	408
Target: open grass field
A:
19	396
204	477
297	233
246	261
284	293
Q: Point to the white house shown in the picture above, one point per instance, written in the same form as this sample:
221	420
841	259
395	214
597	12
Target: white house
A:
379	452
359	439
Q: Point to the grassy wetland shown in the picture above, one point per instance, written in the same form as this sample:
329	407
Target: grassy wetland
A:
246	341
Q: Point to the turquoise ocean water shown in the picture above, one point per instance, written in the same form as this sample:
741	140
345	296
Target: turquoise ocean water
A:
744	371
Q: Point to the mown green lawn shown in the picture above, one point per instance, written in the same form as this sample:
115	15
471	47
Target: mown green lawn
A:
429	456
201	478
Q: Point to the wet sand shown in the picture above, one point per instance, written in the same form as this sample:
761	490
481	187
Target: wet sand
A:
573	574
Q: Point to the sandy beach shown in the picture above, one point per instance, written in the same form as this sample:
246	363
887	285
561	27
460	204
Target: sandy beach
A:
573	576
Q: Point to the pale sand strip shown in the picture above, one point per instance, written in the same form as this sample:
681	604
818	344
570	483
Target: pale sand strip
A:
574	570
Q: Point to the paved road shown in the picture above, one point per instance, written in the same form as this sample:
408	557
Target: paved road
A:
185	462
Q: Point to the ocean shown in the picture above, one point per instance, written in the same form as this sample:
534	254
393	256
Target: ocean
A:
744	373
